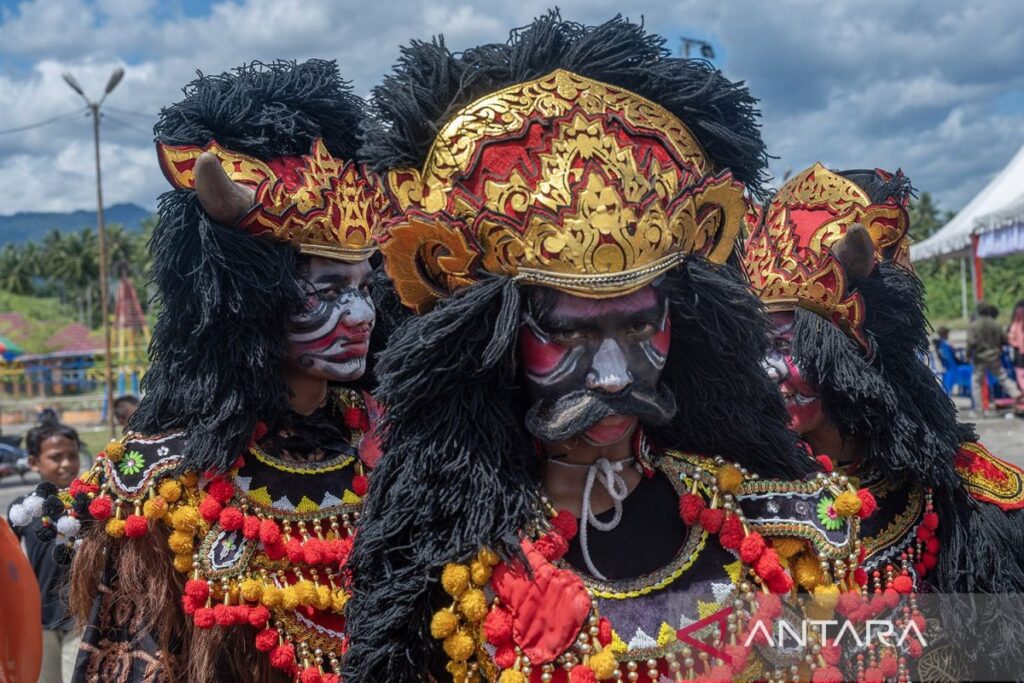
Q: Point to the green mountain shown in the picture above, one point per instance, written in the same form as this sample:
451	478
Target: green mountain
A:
28	225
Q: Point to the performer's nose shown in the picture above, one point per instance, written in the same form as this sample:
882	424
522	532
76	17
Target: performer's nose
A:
609	371
360	314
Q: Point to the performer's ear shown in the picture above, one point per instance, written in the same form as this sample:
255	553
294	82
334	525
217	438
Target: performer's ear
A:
856	252
223	199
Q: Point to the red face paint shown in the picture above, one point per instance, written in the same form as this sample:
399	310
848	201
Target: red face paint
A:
802	401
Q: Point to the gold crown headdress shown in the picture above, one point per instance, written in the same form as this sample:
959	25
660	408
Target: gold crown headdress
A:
561	181
792	257
323	206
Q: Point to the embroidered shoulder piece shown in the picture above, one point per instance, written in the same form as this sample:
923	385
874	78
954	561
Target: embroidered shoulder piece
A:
988	478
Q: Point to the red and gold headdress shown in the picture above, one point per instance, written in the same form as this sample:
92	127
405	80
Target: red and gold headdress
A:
561	181
791	258
323	206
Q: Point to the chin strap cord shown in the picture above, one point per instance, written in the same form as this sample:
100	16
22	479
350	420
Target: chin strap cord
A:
615	485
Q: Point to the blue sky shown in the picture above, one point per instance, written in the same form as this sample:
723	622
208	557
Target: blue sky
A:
936	88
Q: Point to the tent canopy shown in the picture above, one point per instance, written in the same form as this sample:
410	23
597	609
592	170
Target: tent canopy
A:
954	238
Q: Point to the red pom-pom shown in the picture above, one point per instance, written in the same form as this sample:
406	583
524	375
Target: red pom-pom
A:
919	621
498	626
780	583
582	674
270	533
342	549
769	606
258	616
223	615
914	648
849	602
332	678
868	504
197	589
135	526
313	551
311	675
933	545
221	489
903	584
924	533
266	640
552	546
919	568
874	675
210	509
892	598
888	666
294	549
79	486
831	653
825	462
204	617
604	632
283	657
712	520
759	631
101	508
357	419
251	527
827	674
566	524
752	547
731	534
929	560
736	657
360	484
259	431
505	656
931	520
690	507
768	564
275	551
718	674
231	519
860	576
189	605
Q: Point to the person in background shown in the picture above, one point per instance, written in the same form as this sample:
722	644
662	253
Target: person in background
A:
1015	337
124	406
985	341
53	449
942	340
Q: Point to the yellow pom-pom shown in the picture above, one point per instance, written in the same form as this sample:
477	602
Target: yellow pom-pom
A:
458	670
443	624
114	450
185	519
729	478
323	597
183	563
488	557
251	590
272	596
473	604
459	646
115	527
455	579
339	599
306	592
510	676
847	504
290	597
807	572
154	508
169	490
787	547
603	664
826	596
479	572
180	542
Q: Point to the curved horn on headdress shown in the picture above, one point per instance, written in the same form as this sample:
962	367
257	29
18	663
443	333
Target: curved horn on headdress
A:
222	198
856	251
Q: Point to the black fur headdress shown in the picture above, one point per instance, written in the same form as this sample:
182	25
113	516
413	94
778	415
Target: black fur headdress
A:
460	471
226	296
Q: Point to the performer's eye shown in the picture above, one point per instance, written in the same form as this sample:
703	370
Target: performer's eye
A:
641	328
569	336
329	293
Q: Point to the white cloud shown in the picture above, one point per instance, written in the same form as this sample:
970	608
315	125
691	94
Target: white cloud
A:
852	83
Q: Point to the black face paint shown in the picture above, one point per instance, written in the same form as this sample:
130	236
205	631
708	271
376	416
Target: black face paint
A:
586	360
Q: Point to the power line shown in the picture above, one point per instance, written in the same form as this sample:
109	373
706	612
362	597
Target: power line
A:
148	117
125	124
44	122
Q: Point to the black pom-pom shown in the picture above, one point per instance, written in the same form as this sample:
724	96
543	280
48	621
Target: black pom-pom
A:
63	554
46	533
81	505
46	488
53	507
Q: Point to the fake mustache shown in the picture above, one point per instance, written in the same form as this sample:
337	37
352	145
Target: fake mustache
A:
578	411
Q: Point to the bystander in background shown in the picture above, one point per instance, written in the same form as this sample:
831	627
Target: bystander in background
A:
124	407
985	341
1015	337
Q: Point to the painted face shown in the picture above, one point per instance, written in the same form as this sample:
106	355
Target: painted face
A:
592	367
330	338
802	401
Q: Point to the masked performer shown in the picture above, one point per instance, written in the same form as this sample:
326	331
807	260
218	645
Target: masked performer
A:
223	519
831	261
568	205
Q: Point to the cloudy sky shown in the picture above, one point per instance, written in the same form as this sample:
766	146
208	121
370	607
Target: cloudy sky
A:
936	86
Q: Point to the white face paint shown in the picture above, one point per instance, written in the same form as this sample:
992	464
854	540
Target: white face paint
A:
330	339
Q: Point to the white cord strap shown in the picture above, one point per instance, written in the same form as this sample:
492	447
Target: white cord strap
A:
615	485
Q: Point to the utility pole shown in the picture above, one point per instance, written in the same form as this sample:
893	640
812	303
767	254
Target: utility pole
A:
94	109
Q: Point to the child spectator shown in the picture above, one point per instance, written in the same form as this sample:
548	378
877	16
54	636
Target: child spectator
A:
124	407
52	452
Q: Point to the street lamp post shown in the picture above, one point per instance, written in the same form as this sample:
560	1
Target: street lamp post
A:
94	109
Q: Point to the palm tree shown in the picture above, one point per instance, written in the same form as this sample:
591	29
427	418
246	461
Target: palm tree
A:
17	268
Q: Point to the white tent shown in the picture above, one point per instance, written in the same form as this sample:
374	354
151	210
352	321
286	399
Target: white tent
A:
1002	232
954	238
